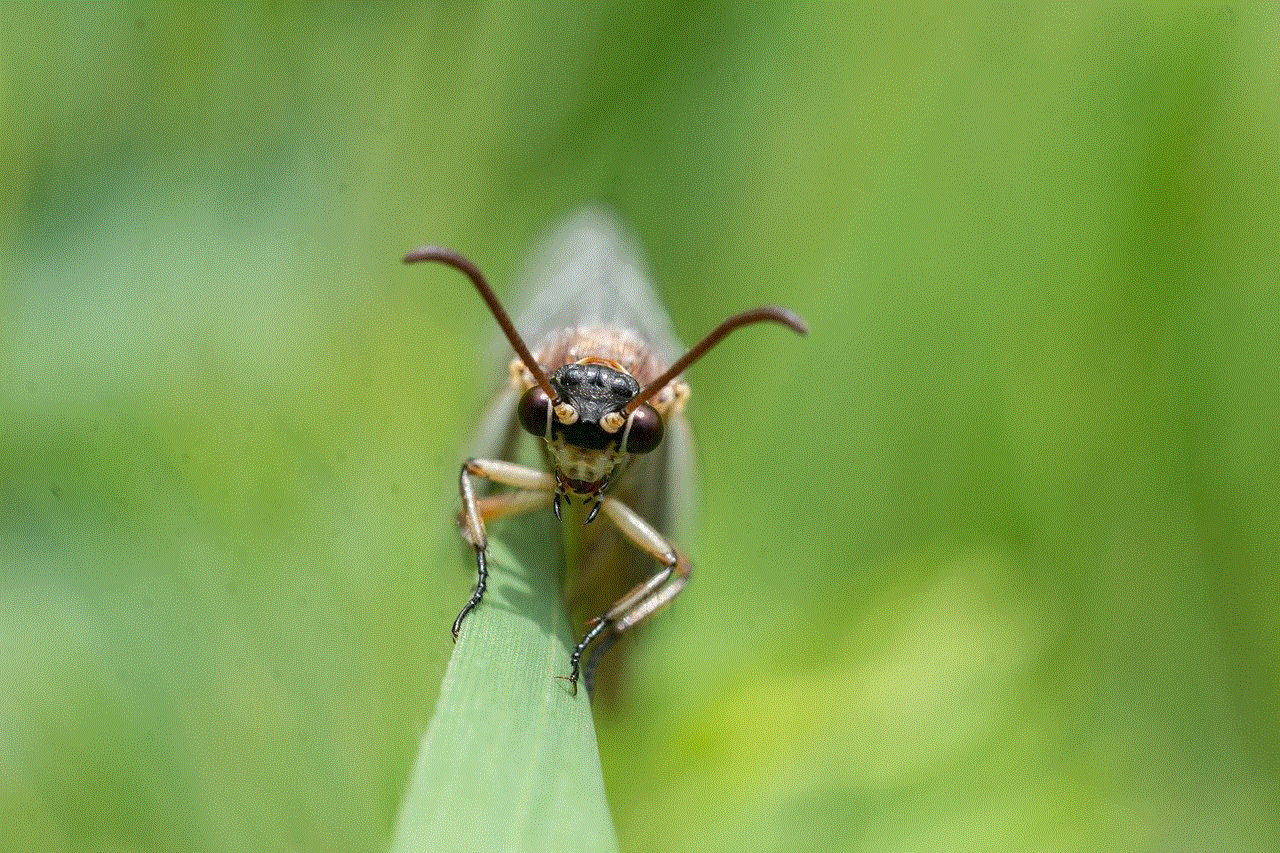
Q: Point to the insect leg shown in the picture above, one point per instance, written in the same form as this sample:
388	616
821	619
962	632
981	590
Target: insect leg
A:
504	504
646	598
473	511
589	671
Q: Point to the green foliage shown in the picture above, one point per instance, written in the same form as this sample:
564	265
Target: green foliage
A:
509	761
986	562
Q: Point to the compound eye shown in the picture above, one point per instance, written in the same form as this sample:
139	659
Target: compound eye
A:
533	410
646	430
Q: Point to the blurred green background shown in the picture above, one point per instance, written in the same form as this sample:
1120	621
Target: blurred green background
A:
988	562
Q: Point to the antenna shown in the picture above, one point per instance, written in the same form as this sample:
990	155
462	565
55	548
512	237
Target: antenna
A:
767	314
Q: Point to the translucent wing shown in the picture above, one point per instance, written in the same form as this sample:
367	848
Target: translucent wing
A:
589	272
499	430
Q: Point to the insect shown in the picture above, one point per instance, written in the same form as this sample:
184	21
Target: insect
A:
600	389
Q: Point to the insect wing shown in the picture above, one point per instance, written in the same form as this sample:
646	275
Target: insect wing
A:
676	504
499	432
589	273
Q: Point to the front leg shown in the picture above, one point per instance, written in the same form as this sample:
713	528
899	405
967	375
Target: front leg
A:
645	599
472	520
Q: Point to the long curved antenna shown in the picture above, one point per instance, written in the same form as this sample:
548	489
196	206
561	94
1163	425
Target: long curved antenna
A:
768	314
464	266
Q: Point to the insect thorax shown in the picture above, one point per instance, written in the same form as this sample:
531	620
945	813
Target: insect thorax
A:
621	349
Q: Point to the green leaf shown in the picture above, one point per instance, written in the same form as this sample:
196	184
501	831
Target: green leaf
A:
509	761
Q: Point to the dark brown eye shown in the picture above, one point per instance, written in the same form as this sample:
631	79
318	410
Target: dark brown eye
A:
533	411
646	430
